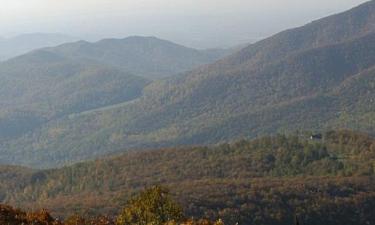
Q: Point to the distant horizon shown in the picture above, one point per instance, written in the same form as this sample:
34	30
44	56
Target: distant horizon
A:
209	24
9	38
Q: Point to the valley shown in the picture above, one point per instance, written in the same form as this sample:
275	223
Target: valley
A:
300	79
144	131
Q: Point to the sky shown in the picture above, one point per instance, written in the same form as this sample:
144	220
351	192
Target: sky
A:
195	23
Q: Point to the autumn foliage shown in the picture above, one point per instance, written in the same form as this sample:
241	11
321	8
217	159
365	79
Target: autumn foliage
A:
153	206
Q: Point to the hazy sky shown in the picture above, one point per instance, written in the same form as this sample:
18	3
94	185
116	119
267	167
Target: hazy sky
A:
197	23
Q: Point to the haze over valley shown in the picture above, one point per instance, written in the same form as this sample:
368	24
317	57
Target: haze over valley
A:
141	129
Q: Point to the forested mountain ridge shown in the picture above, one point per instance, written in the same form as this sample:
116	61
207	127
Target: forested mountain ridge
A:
304	86
334	29
319	76
42	86
264	181
50	83
147	57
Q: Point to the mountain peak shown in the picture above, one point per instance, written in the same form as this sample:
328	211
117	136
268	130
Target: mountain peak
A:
143	56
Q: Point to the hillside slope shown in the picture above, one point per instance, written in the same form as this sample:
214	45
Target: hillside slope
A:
318	76
320	88
53	82
264	181
42	86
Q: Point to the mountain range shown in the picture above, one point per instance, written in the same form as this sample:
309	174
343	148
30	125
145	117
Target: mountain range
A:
147	57
49	83
21	44
316	77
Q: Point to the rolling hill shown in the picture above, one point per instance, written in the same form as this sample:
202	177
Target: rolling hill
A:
41	86
316	77
50	83
264	181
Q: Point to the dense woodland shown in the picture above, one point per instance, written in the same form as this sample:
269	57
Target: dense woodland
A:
266	181
151	206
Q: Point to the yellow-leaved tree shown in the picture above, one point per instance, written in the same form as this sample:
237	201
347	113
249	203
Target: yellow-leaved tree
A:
153	206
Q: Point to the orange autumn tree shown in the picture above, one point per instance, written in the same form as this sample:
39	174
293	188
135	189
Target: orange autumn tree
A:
12	216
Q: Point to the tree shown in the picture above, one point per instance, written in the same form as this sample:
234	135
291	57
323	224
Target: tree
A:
75	220
297	221
153	206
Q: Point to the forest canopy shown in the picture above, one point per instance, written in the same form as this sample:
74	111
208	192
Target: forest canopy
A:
265	181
